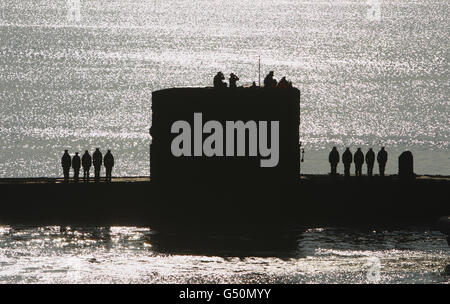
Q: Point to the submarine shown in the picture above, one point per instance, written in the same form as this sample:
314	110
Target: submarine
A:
224	158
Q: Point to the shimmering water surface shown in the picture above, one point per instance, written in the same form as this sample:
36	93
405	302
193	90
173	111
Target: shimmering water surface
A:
130	254
79	85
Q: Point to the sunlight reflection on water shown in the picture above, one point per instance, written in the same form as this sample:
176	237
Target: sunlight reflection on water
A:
81	86
125	254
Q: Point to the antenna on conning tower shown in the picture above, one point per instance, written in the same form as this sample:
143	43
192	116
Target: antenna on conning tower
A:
259	70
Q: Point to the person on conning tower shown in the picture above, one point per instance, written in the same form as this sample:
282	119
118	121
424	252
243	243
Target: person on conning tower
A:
219	81
269	81
233	79
284	84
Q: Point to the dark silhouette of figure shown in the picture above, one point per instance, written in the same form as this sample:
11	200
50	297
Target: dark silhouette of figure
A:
76	164
66	162
347	159
233	79
97	161
253	85
269	81
219	81
86	161
370	160
284	84
108	161
382	158
406	165
333	159
359	161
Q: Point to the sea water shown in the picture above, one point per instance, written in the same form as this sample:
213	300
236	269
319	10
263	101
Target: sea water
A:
80	80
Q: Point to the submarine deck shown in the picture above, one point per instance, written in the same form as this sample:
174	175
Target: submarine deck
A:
313	201
146	179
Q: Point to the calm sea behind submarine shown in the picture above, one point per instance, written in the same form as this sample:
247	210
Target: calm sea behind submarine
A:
79	85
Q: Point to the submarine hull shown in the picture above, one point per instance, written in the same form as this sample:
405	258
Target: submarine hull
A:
314	202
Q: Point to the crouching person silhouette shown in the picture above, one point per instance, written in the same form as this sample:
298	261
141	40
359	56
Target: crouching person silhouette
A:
108	161
86	161
97	161
219	81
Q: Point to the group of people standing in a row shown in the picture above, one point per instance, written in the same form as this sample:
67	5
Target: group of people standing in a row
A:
358	159
87	161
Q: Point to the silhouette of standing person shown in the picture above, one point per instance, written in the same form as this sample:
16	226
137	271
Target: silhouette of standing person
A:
347	159
382	158
66	162
108	161
333	159
359	161
233	79
86	161
76	164
370	160
97	160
